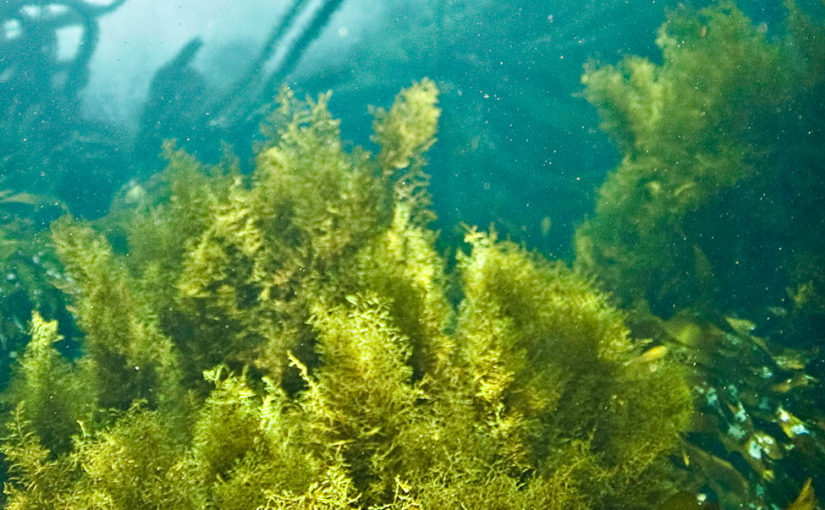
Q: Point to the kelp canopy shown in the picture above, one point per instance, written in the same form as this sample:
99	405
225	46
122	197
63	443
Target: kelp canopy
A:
338	372
47	146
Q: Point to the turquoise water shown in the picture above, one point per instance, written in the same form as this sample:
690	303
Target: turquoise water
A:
670	155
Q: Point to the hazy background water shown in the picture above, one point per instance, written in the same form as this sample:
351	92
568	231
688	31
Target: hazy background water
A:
517	147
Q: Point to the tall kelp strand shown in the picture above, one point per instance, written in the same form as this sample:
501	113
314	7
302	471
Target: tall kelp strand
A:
286	339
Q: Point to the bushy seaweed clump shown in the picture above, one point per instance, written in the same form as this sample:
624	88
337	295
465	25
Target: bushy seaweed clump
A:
337	372
715	215
718	199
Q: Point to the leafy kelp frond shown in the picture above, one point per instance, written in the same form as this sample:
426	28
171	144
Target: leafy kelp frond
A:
309	206
227	428
673	109
334	491
252	248
722	157
219	282
311	192
246	446
174	207
757	402
30	272
408	129
405	133
337	372
132	465
364	386
35	479
402	266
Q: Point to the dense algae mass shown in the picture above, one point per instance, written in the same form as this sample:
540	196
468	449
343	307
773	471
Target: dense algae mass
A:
285	339
709	233
717	203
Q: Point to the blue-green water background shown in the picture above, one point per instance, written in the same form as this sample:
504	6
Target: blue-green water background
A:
517	147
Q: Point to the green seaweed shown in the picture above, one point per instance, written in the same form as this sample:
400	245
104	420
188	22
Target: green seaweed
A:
30	272
719	158
127	358
285	340
715	215
44	391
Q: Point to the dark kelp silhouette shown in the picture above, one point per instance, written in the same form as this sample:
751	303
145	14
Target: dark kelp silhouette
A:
180	107
44	128
47	147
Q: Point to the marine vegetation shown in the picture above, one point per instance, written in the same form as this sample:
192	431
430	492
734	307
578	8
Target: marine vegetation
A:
291	339
53	159
28	272
519	121
757	437
709	234
718	200
183	106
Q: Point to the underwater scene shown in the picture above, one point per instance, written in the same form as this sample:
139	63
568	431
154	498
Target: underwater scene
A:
412	254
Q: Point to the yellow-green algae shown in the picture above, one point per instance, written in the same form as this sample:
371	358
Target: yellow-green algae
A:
285	340
718	194
714	216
